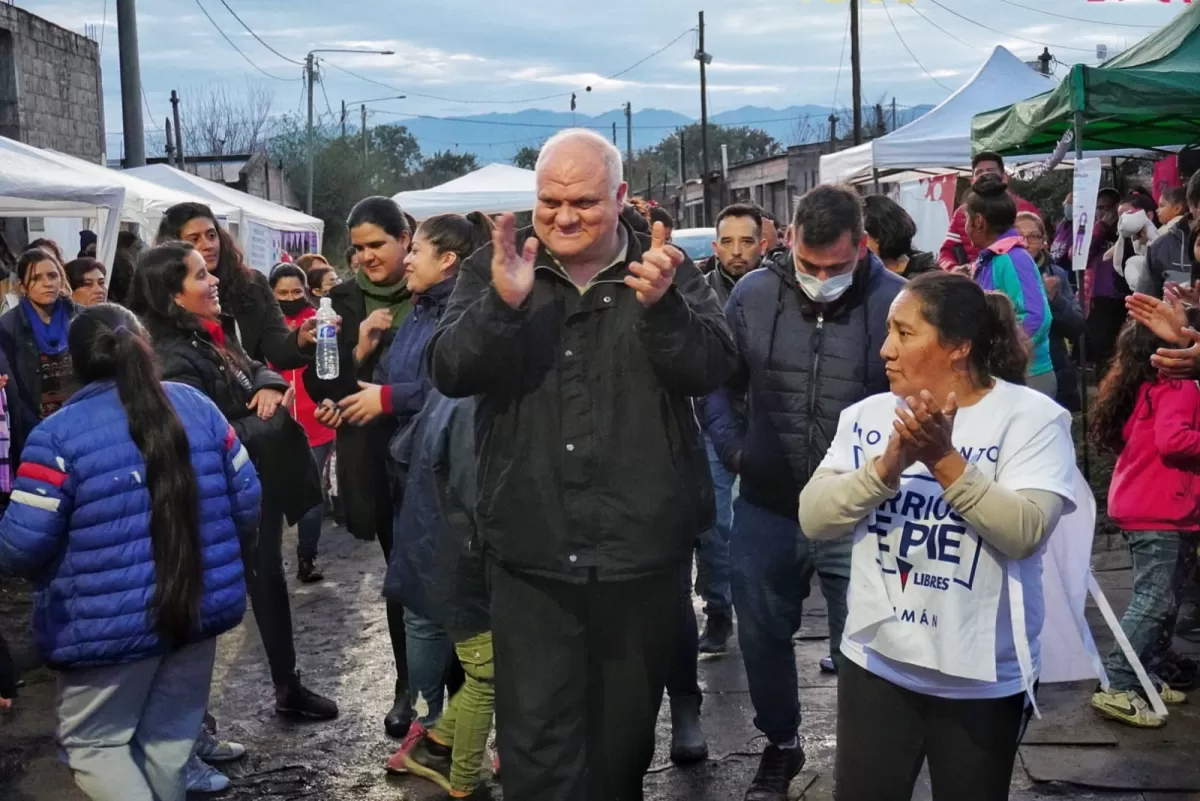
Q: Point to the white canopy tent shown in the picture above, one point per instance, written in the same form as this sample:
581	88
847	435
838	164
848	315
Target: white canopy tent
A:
493	189
256	218
939	141
33	184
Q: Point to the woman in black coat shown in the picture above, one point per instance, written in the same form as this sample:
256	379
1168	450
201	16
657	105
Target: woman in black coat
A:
197	345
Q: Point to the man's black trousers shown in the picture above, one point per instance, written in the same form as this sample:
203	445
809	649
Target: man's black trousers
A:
580	669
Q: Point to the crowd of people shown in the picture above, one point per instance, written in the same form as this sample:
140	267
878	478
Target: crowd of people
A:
543	428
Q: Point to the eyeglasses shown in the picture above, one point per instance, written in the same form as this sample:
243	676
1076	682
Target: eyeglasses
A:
1035	238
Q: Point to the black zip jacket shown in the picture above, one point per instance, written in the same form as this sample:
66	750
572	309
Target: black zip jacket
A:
590	460
801	364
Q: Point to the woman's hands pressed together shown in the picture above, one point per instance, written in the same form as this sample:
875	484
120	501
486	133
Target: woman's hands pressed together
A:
923	433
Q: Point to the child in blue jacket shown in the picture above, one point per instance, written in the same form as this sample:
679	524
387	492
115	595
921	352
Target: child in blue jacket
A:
129	512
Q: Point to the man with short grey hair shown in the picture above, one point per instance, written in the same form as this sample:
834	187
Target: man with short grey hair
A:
584	343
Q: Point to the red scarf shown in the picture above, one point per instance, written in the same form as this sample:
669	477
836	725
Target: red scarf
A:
215	332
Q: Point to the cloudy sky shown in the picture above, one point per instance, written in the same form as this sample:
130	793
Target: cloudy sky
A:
456	57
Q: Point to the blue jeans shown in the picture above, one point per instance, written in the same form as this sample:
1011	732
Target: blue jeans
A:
429	653
1158	558
773	565
712	557
308	530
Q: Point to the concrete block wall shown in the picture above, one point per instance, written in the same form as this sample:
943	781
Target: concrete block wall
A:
50	85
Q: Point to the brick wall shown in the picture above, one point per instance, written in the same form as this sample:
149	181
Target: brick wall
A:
50	86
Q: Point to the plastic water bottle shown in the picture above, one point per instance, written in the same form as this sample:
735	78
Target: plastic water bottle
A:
327	347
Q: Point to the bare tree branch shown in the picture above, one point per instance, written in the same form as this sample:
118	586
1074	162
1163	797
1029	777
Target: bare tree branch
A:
218	122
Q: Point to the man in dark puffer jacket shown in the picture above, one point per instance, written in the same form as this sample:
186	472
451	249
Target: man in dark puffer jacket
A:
808	330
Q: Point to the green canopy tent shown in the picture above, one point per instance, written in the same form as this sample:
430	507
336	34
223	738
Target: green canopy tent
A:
1146	98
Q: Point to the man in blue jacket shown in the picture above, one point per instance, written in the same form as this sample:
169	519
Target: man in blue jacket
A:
808	330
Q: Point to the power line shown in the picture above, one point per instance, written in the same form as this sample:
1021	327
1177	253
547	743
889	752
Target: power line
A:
470	121
614	76
911	54
841	60
103	25
259	38
328	107
235	47
1081	19
960	40
1008	33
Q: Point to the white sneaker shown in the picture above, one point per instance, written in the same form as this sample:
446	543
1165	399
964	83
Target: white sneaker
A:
214	751
203	779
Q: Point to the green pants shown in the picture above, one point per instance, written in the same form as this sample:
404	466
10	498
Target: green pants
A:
467	721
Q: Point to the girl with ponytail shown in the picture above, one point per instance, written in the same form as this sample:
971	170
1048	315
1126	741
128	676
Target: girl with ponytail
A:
129	510
949	485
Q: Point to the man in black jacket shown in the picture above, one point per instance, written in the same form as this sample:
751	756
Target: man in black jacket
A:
584	344
809	328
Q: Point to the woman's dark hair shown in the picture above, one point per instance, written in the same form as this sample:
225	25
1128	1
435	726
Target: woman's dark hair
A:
1128	372
1176	196
1141	199
107	343
48	245
990	200
634	218
282	271
235	276
316	277
963	313
310	260
382	212
30	259
457	234
889	225
78	268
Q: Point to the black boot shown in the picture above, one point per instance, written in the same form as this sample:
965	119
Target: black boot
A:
399	720
687	737
717	632
775	773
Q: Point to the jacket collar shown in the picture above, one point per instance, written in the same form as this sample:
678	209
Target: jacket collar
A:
1011	239
868	266
437	295
91	390
635	246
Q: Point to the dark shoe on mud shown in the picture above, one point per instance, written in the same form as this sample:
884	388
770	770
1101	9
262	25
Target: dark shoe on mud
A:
775	773
294	700
307	571
1177	671
688	745
399	720
717	632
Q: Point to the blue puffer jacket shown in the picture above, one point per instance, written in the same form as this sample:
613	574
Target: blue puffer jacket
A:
801	364
78	524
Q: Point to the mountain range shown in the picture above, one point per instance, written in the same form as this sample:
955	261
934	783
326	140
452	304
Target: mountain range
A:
497	137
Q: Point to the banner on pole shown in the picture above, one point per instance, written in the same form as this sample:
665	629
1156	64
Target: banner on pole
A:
1083	204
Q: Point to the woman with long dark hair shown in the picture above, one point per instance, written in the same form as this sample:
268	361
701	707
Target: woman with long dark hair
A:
128	510
372	307
33	338
197	346
1152	423
949	485
245	294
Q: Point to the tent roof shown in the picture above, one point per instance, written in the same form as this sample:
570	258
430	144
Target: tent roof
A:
941	138
254	208
492	189
33	184
1146	97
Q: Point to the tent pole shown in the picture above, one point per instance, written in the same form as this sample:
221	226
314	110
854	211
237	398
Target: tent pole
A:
1083	382
875	176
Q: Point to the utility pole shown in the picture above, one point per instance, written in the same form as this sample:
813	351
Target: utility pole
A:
131	84
170	144
880	125
178	129
309	77
366	139
343	119
833	121
893	113
1045	60
614	134
629	142
856	72
705	59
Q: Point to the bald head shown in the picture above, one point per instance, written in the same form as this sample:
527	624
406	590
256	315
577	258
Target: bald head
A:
575	143
579	197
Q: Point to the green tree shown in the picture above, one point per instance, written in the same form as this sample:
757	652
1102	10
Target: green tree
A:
744	143
526	158
444	166
395	155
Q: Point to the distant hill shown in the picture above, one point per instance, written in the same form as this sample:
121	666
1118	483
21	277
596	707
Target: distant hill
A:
498	136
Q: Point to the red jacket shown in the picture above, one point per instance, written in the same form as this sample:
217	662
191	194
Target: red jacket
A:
947	258
303	407
1156	482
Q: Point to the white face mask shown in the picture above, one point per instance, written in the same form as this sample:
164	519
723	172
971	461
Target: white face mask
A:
826	291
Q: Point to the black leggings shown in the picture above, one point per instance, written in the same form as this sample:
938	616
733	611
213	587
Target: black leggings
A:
885	733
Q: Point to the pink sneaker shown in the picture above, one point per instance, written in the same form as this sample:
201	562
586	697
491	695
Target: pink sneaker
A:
395	764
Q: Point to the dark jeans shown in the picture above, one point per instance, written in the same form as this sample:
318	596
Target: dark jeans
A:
683	681
580	670
773	566
308	530
430	652
1160	565
269	594
885	733
712	555
1104	323
395	611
